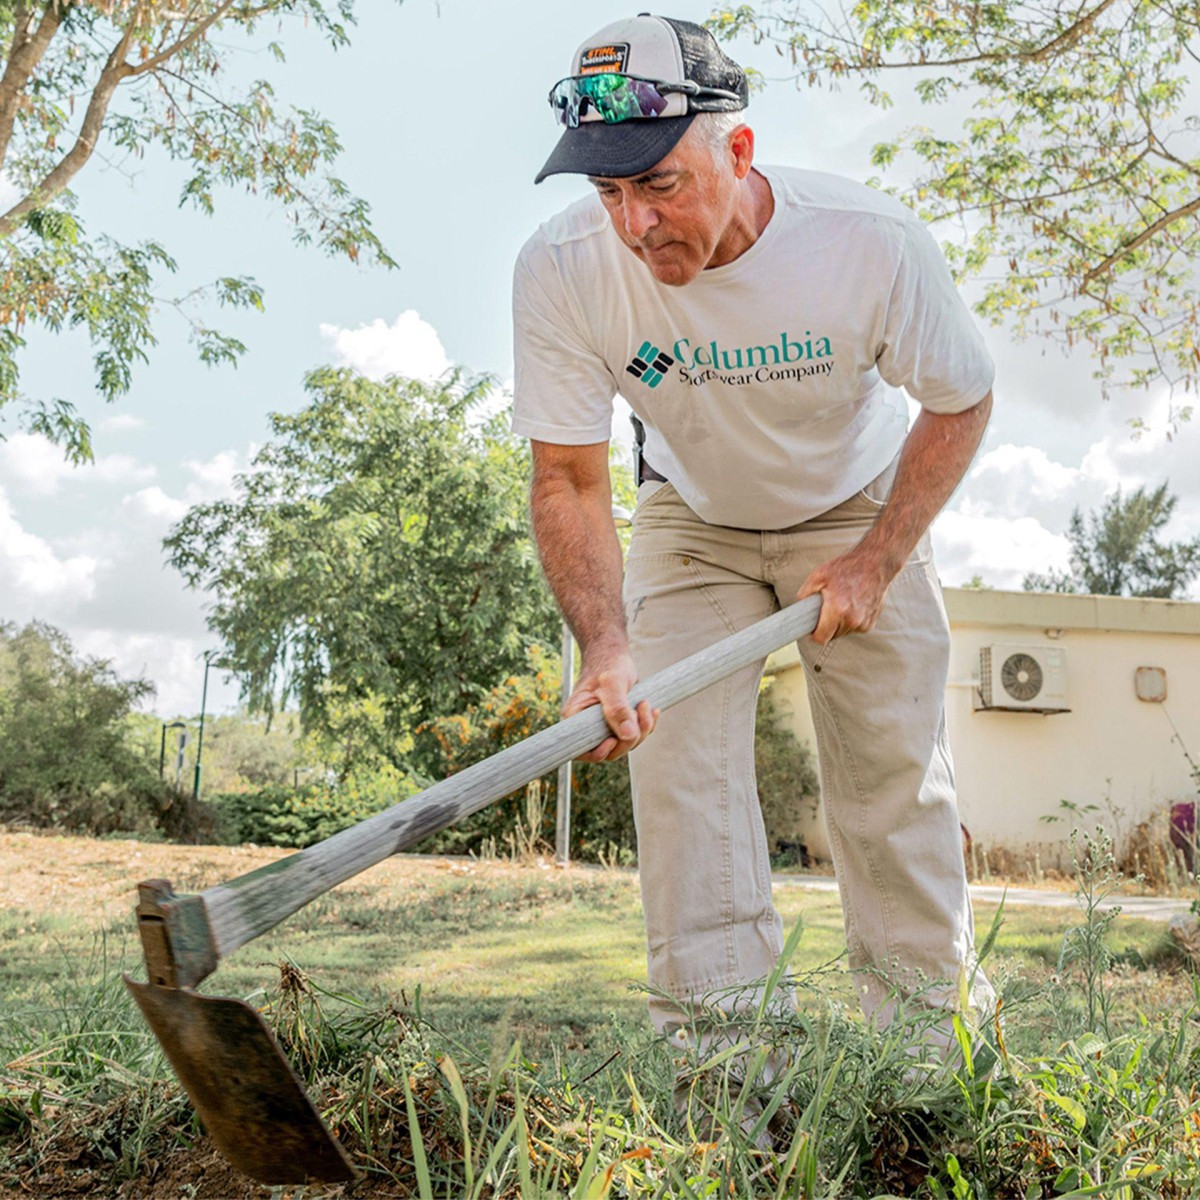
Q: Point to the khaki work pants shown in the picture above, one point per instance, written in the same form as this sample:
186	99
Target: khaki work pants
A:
887	780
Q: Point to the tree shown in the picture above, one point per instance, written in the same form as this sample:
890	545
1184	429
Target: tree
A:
131	76
977	584
1074	181
1117	552
66	758
376	564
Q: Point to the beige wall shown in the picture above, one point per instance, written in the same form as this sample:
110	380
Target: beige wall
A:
1111	750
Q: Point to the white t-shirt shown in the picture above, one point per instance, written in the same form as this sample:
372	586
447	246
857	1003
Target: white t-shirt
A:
768	386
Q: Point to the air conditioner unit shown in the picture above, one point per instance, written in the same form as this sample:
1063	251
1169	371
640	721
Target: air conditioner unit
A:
1023	679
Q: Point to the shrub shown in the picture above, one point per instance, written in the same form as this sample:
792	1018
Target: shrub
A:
787	782
513	710
301	816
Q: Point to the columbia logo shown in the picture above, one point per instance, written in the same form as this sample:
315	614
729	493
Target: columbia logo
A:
648	365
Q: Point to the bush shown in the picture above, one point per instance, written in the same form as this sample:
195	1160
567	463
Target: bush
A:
788	788
515	709
299	817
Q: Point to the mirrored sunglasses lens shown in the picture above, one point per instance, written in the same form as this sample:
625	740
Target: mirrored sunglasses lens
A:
564	103
650	101
614	97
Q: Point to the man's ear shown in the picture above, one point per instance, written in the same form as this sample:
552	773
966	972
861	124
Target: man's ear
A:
741	146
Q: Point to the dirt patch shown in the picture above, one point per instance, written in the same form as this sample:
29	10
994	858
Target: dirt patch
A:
197	1172
96	880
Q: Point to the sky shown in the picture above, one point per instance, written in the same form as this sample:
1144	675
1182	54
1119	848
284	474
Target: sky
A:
441	109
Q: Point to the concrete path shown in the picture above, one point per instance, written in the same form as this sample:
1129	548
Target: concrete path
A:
1147	907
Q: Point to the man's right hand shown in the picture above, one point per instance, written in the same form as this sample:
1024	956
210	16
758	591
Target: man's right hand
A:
607	684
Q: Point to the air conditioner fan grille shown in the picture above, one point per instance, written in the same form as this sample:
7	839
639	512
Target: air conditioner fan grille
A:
1021	676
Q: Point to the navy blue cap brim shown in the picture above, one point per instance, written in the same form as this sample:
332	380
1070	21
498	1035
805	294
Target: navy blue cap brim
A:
615	151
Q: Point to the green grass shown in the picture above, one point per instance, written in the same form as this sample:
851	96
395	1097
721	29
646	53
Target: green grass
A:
499	1014
554	955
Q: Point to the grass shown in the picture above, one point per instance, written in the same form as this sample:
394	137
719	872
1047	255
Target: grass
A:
479	1031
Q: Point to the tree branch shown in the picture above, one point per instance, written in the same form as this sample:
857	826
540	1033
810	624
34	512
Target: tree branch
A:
186	42
267	157
1063	41
25	53
116	70
1070	36
1146	234
1182	163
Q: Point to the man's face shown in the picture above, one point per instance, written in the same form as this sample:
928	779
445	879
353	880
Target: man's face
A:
677	216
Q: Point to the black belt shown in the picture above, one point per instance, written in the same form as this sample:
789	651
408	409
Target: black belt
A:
650	475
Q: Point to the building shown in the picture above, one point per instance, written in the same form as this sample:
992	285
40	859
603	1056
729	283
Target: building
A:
1062	710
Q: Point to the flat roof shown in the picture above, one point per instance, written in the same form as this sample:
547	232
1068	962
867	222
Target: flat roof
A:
1063	610
1051	610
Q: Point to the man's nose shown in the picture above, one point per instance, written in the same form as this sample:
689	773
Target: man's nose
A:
640	217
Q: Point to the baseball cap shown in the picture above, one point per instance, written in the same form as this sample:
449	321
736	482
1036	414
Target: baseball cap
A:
683	57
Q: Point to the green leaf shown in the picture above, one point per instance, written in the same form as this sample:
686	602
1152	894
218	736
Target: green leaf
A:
1070	1106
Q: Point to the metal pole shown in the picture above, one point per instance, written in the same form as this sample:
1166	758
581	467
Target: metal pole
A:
162	749
562	832
200	738
562	835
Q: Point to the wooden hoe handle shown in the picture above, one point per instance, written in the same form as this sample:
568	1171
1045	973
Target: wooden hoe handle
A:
185	936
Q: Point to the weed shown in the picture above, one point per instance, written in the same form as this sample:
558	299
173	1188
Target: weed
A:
1085	951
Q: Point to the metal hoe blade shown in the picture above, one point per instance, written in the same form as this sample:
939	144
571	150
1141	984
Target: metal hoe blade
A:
249	1098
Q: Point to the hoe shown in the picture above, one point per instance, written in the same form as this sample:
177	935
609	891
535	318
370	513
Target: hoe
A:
249	1098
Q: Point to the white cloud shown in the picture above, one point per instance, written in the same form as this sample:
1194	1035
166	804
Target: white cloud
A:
121	421
1165	450
106	582
214	479
34	579
999	550
118	468
1004	477
1011	514
35	466
154	507
173	663
409	346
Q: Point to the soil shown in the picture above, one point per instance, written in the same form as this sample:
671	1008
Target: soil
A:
97	879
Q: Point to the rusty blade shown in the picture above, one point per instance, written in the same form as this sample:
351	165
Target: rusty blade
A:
249	1098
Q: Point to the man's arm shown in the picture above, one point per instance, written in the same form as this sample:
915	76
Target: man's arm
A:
936	455
571	504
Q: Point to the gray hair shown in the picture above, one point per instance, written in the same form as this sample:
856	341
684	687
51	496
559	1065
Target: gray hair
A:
712	129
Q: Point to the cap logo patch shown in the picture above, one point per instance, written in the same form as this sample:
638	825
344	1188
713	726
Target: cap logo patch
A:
603	60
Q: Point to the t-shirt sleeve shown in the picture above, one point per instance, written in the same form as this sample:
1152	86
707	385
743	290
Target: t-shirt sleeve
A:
931	345
562	389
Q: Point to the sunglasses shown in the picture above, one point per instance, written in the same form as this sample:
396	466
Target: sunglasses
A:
622	97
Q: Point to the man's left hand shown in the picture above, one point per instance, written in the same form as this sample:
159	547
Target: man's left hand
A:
936	454
852	589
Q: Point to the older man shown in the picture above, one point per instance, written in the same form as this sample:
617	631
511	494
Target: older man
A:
761	322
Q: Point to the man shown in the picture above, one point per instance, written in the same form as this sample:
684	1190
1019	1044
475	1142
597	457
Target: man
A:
760	322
